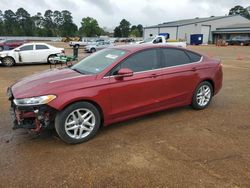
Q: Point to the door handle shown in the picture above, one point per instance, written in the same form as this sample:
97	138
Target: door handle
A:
194	69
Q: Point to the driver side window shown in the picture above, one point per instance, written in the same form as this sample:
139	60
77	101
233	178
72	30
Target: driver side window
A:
142	61
26	48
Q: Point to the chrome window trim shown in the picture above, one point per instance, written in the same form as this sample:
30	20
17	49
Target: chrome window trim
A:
163	68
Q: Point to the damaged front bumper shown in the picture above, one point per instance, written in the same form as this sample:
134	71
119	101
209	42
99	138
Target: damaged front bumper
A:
34	117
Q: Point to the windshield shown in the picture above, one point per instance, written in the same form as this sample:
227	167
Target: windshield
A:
98	61
148	40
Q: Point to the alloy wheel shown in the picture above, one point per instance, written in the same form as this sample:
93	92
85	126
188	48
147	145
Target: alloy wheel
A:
80	123
203	95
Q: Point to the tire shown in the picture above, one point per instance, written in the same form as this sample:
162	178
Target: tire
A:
8	61
82	131
77	46
92	50
1	48
202	96
50	57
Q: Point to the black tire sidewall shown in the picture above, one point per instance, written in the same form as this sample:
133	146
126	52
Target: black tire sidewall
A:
92	50
195	104
52	55
61	118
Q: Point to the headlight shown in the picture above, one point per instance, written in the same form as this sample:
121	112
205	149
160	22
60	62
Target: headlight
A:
34	100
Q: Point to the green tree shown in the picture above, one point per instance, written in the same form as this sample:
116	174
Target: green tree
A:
125	28
239	10
25	23
134	33
10	23
90	27
117	32
140	29
57	22
67	27
1	24
48	23
38	21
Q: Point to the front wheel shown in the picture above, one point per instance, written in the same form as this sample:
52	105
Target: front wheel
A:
8	61
202	96
78	122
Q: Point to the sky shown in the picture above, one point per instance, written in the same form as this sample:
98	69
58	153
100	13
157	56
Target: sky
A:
109	13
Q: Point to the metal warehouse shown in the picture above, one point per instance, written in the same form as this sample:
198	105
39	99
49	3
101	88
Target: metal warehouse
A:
208	30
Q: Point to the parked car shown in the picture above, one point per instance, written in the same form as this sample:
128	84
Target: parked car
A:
239	40
30	53
10	44
98	46
113	85
83	43
162	40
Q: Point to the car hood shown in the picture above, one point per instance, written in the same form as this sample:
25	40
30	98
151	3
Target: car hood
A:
50	82
5	53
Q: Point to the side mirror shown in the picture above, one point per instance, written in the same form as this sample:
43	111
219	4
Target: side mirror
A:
17	50
124	72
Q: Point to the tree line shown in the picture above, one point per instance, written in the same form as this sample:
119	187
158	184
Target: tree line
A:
57	23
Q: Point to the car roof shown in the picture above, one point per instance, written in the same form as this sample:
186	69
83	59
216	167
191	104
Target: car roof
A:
138	47
35	43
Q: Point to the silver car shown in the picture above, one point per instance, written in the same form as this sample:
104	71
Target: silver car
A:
98	46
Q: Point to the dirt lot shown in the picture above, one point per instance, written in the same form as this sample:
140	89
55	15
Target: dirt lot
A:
174	148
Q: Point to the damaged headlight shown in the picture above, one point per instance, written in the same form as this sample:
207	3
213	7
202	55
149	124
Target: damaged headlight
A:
34	100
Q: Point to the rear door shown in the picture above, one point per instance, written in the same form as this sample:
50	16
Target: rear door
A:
42	53
179	76
139	93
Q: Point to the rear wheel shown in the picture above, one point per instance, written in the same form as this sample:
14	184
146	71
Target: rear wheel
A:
202	96
78	122
92	50
8	61
50	58
77	46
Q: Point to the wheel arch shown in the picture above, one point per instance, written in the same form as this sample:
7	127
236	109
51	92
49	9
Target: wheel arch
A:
99	108
210	81
9	57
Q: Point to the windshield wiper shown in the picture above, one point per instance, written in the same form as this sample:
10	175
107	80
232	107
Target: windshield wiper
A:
77	70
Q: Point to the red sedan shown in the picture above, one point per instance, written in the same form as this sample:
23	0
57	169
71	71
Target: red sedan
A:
113	85
10	44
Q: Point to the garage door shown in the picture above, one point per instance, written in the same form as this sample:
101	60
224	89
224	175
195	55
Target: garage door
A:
205	30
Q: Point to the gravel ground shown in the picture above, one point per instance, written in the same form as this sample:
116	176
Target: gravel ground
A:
174	148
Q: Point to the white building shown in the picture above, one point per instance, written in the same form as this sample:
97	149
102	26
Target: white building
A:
207	27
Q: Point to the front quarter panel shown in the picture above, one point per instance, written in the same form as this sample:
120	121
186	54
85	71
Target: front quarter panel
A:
97	94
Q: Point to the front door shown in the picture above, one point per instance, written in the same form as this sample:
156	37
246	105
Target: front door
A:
26	54
139	93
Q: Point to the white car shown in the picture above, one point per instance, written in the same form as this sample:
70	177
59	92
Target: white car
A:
30	53
162	40
98	46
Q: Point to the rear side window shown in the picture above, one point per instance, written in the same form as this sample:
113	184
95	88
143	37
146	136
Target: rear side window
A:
142	61
193	56
26	48
175	57
41	47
